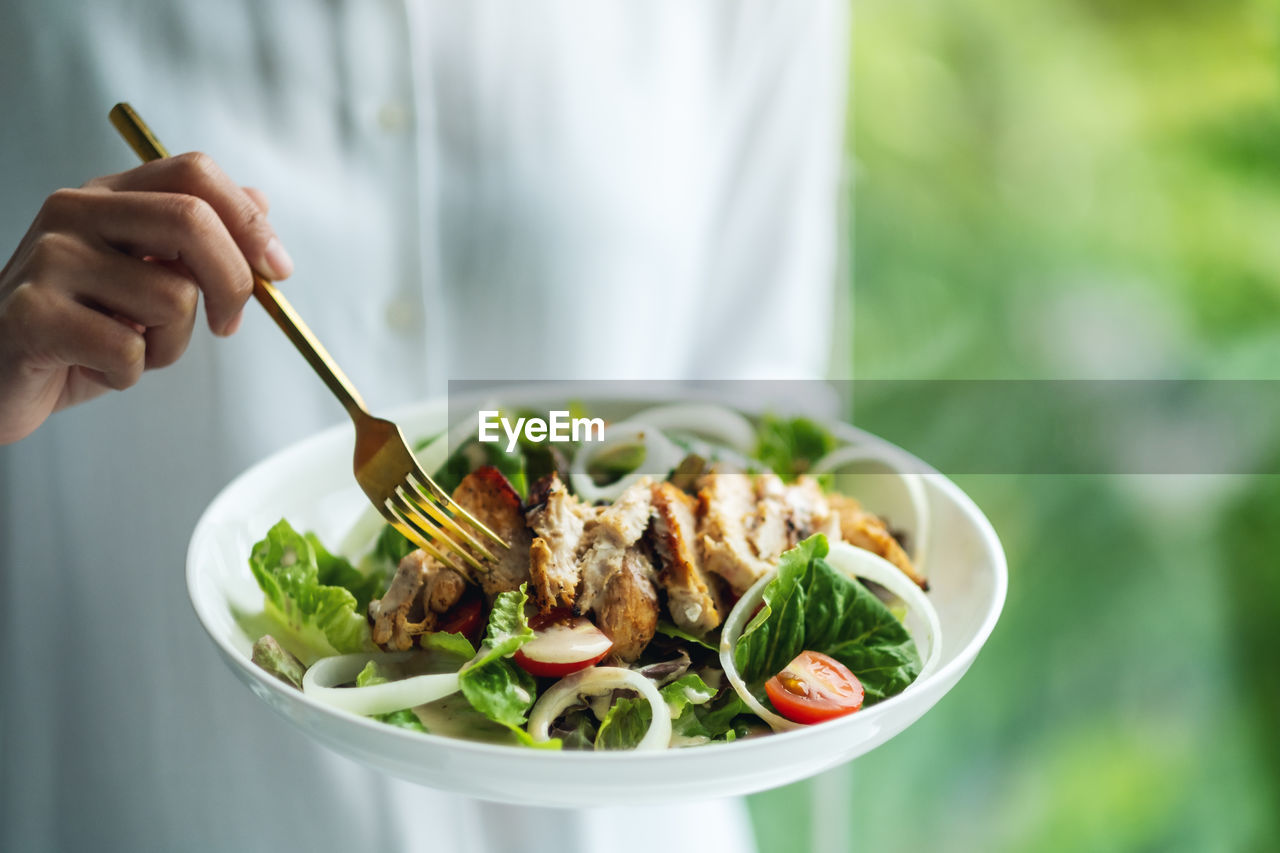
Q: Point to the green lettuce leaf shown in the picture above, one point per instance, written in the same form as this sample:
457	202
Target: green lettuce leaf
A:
508	627
724	718
455	644
500	690
323	615
624	726
811	605
687	690
404	718
670	629
492	682
683	697
336	571
696	710
790	446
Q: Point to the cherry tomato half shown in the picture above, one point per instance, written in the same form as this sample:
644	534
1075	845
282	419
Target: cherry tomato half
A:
814	687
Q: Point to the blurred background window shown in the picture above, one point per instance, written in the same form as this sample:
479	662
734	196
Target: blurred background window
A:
1068	189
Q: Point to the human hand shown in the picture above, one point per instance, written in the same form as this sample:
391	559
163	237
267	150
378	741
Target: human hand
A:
106	282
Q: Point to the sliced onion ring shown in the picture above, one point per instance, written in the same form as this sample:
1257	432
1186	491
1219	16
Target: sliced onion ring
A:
704	420
856	563
898	463
660	456
324	675
596	681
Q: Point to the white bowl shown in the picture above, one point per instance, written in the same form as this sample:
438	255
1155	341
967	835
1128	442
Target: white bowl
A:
311	484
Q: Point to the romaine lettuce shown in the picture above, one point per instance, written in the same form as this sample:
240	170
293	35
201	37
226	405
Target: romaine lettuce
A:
454	644
625	724
492	682
696	710
319	598
335	571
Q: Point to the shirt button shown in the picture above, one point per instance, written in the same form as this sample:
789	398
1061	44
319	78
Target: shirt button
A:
393	116
403	315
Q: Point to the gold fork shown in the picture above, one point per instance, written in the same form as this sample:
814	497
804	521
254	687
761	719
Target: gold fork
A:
385	466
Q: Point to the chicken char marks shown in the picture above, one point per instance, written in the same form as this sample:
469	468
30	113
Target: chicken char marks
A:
421	590
692	597
627	607
558	519
787	514
492	500
725	503
617	576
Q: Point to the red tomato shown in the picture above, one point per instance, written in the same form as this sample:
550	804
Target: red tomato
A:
814	687
560	648
465	618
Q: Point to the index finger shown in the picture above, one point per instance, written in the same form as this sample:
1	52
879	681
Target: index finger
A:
195	173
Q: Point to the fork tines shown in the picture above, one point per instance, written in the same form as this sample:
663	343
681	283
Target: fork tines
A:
425	515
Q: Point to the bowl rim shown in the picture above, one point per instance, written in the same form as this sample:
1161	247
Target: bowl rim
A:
943	675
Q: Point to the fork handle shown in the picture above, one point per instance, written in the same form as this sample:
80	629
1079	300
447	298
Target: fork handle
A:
148	148
312	350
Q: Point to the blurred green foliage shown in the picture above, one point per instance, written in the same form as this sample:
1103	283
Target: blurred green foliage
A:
1071	189
1024	170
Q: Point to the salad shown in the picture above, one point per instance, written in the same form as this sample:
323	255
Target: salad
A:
695	578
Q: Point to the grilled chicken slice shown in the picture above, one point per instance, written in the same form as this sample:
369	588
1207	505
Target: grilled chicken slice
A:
627	609
391	615
769	527
810	511
443	587
626	519
617	577
606	539
788	514
421	590
487	495
691	600
865	530
725	503
558	518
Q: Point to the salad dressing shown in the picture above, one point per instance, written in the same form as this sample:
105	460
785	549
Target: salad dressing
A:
453	716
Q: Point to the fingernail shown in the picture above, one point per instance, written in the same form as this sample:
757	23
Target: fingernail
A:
278	259
234	325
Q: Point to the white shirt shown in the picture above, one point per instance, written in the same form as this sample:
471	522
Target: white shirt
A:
551	190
